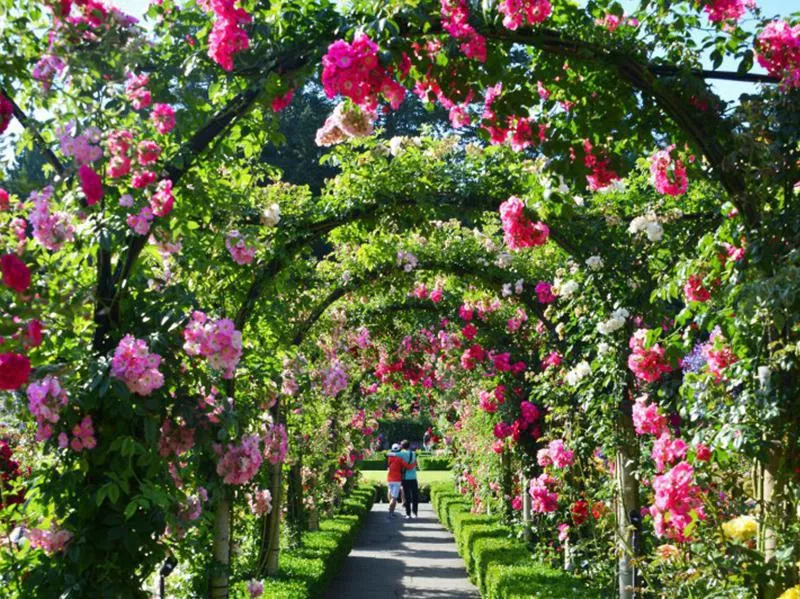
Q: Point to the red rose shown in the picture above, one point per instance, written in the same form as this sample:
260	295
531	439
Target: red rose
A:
33	334
15	274
14	371
4	204
91	184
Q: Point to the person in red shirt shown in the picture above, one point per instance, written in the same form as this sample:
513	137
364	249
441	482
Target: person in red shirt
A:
394	477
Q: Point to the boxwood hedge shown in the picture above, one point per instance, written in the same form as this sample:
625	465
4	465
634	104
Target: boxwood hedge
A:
500	565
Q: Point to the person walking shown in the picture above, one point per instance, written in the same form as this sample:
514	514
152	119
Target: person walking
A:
409	482
394	477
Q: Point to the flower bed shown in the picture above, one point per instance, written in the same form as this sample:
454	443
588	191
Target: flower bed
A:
501	566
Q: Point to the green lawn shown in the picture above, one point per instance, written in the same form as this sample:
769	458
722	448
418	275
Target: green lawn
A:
423	476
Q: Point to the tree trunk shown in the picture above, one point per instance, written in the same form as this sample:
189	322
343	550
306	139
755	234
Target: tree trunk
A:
628	506
218	586
508	511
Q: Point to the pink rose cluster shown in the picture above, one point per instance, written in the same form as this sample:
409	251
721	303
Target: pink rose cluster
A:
727	10
668	174
52	540
555	454
667	450
276	444
455	20
84	147
82	436
46	399
552	360
175	439
216	340
134	365
613	22
343	123
601	176
517	13
51	229
694	289
718	355
136	91
516	130
678	502
647	363
334	379
353	70
518	231
238	248
778	51
544	292
227	36
260	502
163	117
239	463
543	499
6	113
647	419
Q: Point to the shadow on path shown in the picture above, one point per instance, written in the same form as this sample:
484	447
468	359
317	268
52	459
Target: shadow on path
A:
398	559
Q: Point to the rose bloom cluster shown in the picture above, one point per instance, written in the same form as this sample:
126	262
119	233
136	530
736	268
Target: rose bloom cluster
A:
518	231
227	36
82	436
678	502
647	363
343	123
455	20
543	499
260	502
16	274
276	444
353	70
216	340
136	366
334	379
52	540
601	176
51	229
46	399
517	13
778	51
668	174
239	463
238	248
6	113
727	10
647	419
175	439
694	289
516	130
555	454
9	474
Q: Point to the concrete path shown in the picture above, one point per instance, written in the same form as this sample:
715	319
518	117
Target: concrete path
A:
401	559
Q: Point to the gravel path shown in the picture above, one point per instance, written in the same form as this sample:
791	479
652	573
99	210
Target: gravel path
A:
398	559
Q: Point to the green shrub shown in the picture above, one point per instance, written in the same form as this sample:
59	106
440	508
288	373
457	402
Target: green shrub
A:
501	566
373	464
308	570
435	463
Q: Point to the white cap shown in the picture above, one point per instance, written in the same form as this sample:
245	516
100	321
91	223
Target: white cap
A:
395	447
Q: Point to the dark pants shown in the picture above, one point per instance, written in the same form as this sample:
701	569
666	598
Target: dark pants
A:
411	494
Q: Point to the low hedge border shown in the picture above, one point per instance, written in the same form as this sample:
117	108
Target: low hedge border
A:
426	462
306	572
501	566
435	463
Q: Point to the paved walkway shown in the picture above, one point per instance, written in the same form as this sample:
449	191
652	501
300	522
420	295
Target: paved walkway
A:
401	559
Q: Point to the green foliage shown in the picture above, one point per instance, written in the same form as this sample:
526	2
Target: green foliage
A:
435	463
502	566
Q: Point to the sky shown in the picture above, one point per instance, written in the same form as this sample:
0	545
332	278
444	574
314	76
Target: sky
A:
727	90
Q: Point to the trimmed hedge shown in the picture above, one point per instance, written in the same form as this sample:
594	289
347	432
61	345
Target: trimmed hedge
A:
500	565
307	571
373	464
435	463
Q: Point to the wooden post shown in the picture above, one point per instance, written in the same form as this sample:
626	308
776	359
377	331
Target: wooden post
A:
527	521
218	587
